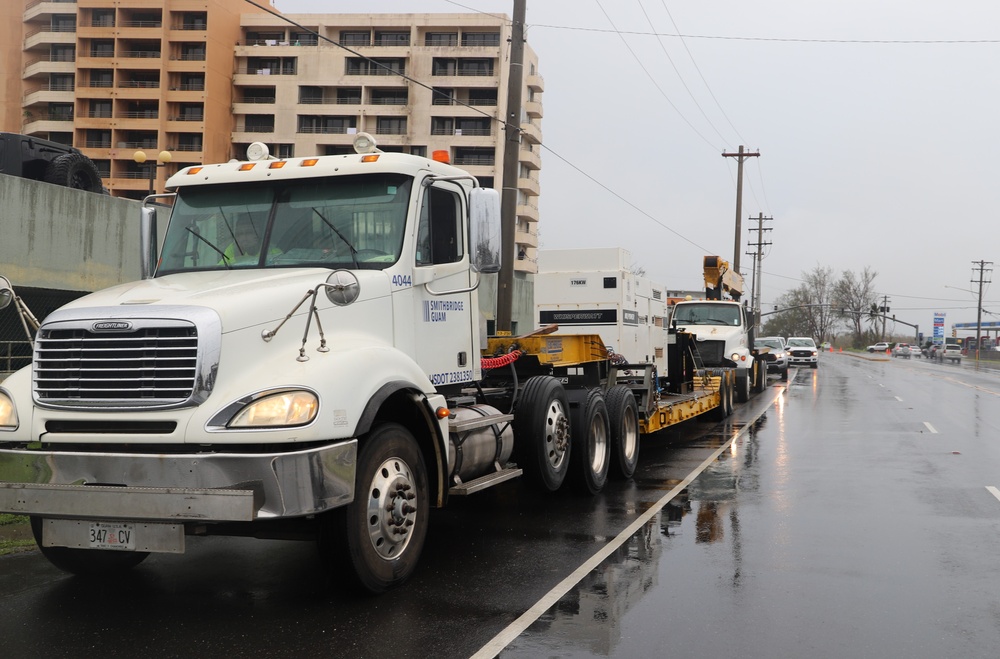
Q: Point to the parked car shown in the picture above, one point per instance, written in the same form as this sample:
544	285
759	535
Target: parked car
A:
775	355
802	350
901	350
881	346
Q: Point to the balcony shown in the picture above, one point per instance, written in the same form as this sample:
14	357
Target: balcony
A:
49	94
530	159
42	8
528	212
535	82
531	132
50	35
529	186
46	65
529	238
533	109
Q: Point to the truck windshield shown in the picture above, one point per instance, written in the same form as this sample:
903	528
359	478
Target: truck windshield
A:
707	314
334	222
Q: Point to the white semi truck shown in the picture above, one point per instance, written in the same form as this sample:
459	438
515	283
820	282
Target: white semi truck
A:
305	358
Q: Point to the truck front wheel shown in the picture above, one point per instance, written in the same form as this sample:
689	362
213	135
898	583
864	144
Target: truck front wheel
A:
86	562
542	432
381	533
743	386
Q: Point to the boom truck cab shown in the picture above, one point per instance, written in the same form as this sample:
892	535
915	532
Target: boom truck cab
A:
329	379
722	327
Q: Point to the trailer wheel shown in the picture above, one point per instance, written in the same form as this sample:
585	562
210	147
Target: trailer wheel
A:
590	457
74	170
381	533
542	432
86	562
623	421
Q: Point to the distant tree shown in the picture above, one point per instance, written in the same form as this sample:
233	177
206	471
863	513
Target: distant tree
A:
806	310
855	298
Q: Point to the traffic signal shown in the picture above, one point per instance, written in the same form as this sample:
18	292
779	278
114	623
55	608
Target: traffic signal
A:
954	332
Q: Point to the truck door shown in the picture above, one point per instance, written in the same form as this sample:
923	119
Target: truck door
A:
444	317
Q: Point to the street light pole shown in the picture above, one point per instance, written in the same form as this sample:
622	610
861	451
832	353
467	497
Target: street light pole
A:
162	159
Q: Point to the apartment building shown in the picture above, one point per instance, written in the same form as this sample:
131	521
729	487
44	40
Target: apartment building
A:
113	77
419	83
199	80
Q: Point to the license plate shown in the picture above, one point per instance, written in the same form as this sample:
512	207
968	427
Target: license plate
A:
119	536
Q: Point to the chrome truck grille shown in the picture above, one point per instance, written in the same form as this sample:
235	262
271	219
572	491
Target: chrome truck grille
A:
120	362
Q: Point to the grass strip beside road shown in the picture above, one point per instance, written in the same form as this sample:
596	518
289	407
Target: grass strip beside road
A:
15	534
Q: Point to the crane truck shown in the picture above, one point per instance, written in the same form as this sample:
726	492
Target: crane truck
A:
329	379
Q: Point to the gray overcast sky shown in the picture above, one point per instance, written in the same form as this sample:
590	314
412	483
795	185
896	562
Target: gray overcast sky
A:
876	143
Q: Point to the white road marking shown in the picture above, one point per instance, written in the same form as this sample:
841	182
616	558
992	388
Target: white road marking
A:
994	491
898	398
930	427
508	635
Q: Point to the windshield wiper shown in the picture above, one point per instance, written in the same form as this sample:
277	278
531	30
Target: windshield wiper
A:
354	252
225	259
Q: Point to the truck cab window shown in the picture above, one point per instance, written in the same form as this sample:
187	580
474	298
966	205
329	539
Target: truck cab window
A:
439	233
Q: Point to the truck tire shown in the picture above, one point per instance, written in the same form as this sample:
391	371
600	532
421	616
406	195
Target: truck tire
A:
742	387
589	434
86	562
760	379
74	170
623	424
722	412
381	533
542	432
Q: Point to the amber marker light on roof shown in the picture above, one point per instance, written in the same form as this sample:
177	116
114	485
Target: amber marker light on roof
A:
371	157
194	170
276	164
247	166
310	162
441	156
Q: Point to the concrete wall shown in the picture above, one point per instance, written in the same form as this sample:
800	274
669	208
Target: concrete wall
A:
65	239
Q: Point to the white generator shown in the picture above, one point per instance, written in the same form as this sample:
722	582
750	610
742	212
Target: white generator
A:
594	291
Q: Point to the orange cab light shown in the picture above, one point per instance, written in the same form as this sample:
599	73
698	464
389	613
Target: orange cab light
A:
276	164
442	412
247	166
194	170
309	162
371	157
441	155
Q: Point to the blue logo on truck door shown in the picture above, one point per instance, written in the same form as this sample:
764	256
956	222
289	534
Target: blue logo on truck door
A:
436	311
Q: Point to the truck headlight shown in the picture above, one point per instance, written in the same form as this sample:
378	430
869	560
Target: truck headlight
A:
8	414
287	408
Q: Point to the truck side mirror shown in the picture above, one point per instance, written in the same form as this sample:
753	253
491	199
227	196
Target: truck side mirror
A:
484	229
147	241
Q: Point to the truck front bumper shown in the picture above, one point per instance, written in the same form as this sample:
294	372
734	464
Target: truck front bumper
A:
205	487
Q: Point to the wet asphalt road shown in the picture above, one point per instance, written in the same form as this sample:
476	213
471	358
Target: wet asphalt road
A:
851	519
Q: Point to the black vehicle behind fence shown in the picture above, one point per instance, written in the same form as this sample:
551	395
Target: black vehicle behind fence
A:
43	160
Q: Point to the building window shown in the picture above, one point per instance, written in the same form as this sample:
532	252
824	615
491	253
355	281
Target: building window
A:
99	139
349	96
382	66
348	38
475	67
101	109
259	123
102	18
389	96
102	77
483	97
392	38
189	142
194	21
443	96
481	39
193	82
471	155
326	124
193	52
65	52
390	126
441	39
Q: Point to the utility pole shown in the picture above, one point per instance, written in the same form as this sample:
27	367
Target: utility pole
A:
740	156
983	270
758	256
512	146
